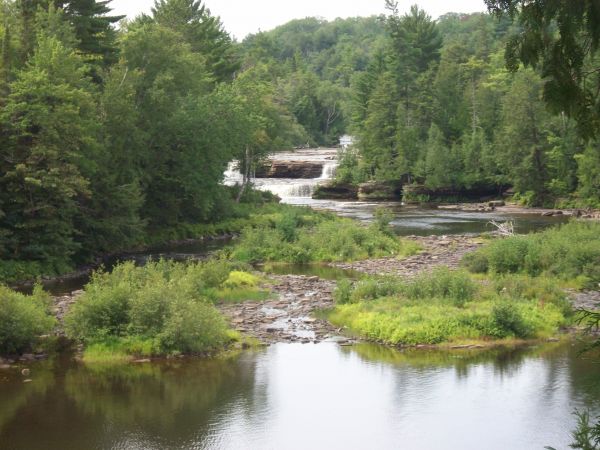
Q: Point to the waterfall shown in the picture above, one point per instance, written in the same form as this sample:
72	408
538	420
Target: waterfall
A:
288	189
329	169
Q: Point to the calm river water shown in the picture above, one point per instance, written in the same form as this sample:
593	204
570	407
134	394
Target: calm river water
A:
313	396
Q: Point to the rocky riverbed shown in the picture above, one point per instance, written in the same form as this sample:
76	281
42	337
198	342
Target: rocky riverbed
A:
437	251
288	317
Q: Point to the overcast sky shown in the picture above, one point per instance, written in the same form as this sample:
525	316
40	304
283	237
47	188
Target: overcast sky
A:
242	17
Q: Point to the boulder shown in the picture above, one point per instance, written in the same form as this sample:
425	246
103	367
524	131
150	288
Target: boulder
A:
290	169
338	191
379	190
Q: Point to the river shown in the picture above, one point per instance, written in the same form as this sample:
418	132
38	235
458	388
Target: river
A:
312	396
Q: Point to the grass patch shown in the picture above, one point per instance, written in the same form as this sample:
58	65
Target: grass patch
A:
301	235
449	307
161	308
570	253
23	319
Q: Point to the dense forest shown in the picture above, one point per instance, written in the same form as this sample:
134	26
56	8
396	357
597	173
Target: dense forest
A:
111	134
114	131
442	104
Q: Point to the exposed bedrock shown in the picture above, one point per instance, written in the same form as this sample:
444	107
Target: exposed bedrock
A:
290	169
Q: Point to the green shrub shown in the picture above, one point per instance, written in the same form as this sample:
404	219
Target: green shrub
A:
508	321
23	319
237	279
304	238
540	290
159	308
570	251
448	306
342	292
442	283
476	262
214	272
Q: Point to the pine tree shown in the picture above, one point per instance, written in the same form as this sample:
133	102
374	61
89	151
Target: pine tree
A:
202	31
49	124
93	28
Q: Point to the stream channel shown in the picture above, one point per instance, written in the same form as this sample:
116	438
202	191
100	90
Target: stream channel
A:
312	396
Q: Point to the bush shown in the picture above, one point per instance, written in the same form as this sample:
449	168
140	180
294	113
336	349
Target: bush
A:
442	283
161	305
237	279
476	262
508	321
342	292
448	306
23	319
304	237
570	251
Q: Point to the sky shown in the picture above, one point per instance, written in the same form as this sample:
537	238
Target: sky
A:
242	17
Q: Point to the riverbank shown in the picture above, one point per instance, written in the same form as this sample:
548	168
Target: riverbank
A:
293	312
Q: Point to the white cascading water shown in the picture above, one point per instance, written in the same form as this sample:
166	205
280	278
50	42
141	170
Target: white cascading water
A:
290	190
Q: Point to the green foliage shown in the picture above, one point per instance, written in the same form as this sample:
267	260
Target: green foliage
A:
442	283
508	321
560	38
316	237
447	307
571	251
343	292
108	144
161	308
23	319
586	436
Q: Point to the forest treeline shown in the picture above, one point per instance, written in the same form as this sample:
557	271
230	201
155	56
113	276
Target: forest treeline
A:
115	130
444	103
439	107
110	134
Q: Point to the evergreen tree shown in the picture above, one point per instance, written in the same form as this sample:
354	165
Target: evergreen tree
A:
50	128
202	31
561	38
93	28
441	163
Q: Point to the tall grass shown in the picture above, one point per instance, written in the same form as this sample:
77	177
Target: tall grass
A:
567	252
448	306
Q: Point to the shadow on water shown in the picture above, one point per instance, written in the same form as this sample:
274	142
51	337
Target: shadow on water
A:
192	250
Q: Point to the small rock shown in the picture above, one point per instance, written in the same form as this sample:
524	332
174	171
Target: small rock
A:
25	372
139	361
27	380
4	366
27	357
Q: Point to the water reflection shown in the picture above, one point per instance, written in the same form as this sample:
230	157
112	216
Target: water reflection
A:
306	396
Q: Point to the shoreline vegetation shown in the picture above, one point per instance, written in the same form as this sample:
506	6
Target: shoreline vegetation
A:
509	291
513	288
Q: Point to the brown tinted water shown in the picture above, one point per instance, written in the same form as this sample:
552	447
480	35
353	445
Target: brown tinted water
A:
315	396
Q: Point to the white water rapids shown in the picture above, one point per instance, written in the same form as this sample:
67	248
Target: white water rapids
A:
291	190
